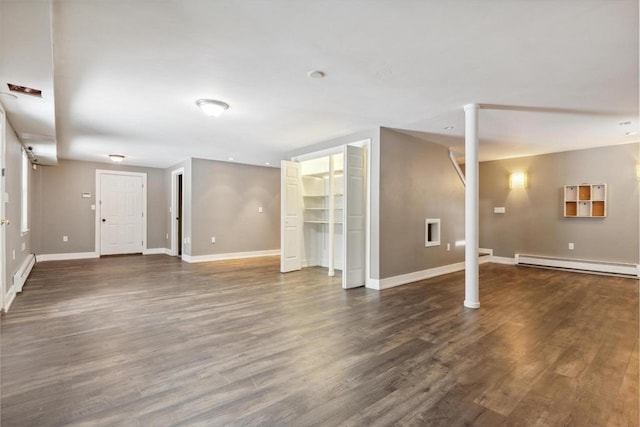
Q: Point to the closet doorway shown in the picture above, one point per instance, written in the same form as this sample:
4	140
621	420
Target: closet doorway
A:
324	213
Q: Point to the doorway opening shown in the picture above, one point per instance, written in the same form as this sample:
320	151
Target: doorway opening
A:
177	212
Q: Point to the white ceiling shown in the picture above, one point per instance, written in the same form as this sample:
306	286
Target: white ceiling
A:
552	75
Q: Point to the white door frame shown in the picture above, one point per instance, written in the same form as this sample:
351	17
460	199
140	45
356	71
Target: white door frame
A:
99	173
365	143
3	261
174	209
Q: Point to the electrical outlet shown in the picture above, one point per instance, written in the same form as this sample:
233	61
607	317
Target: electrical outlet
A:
213	239
571	246
65	238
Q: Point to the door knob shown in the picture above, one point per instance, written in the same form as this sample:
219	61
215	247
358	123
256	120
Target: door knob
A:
4	222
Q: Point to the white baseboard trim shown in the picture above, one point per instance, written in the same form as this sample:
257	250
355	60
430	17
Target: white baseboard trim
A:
228	256
502	260
8	298
403	279
156	251
67	256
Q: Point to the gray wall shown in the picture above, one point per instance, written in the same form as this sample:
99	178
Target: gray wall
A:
13	186
59	210
224	204
534	222
417	181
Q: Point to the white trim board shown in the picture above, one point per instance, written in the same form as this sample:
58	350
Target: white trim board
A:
66	256
403	279
228	256
156	251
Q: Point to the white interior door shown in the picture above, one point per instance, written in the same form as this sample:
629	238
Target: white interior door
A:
354	268
121	214
291	217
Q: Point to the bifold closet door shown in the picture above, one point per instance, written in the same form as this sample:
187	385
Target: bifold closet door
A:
291	217
353	273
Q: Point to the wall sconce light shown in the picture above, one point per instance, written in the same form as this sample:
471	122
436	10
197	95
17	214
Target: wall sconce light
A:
518	180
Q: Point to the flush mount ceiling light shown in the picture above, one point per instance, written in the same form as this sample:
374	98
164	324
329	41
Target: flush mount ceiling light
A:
211	107
116	157
624	123
635	132
448	127
316	74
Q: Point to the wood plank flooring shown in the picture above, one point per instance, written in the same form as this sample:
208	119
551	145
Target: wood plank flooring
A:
152	341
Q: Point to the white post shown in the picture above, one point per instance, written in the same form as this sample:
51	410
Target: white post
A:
471	293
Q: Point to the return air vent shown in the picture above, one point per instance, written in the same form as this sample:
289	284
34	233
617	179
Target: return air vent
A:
25	90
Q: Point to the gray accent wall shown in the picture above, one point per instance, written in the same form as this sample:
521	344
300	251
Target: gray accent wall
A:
417	181
60	210
224	203
15	254
534	222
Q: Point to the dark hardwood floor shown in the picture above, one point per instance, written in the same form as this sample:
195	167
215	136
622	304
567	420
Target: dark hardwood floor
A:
152	341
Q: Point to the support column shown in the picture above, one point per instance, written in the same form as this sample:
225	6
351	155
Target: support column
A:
471	217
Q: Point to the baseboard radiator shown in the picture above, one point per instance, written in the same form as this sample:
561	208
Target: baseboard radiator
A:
598	267
23	272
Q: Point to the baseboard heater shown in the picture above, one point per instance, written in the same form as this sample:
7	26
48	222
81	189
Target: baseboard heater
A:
23	272
598	267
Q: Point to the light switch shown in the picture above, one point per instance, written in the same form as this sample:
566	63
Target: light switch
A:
93	207
499	210
260	209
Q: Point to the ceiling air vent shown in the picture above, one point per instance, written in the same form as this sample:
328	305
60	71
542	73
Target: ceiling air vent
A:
25	90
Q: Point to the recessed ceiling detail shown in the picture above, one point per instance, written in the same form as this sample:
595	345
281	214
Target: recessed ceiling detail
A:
24	89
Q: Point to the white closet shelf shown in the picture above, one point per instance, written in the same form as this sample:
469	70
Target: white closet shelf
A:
321	222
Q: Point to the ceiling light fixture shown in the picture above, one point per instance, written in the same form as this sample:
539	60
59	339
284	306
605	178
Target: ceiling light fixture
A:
231	159
635	132
24	89
267	163
211	107
316	74
448	127
116	157
624	123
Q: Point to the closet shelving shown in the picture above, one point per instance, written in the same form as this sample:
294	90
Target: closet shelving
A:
322	206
